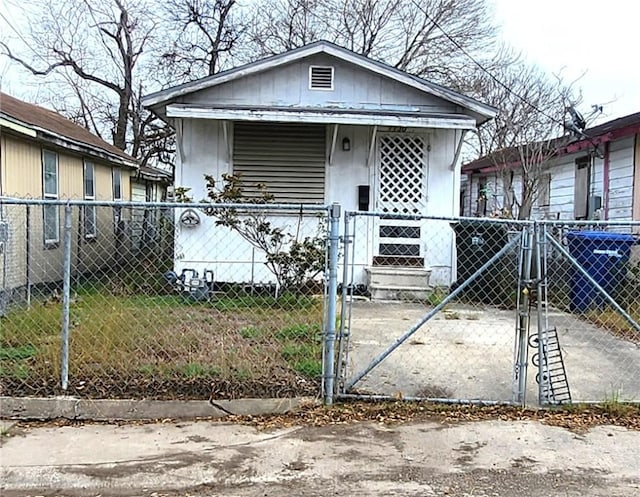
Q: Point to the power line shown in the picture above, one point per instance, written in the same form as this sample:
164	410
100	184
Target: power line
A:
484	69
24	40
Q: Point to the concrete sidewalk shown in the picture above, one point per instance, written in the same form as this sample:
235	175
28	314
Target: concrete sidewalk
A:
488	458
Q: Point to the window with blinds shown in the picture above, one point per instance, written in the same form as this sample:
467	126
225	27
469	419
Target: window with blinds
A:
289	159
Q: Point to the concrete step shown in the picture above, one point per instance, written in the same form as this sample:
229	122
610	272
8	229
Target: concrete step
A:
393	283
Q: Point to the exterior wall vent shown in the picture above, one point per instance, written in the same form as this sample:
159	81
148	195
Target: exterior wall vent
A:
321	78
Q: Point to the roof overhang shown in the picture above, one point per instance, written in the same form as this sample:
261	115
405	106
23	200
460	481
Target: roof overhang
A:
17	127
483	112
323	116
46	136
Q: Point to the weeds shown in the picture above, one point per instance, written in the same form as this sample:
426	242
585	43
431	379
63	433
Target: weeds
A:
120	342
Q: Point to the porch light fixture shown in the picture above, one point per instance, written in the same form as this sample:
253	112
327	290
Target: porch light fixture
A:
346	144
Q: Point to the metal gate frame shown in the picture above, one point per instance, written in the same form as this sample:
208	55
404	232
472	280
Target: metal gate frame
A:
343	386
546	340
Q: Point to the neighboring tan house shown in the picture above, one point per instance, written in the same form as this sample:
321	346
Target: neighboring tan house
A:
44	155
593	177
148	184
317	125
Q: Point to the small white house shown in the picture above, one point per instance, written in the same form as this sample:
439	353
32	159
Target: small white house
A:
597	177
321	124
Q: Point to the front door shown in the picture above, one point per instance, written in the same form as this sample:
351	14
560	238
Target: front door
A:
401	189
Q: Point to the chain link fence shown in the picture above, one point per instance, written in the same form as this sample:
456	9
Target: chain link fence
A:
590	312
433	316
489	310
115	300
162	301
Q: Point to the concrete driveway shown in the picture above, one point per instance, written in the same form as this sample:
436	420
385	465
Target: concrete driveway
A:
429	458
467	353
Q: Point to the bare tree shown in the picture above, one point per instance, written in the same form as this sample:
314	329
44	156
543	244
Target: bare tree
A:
407	34
91	49
204	36
280	25
527	132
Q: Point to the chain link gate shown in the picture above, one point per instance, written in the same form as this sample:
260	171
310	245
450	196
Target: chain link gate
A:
444	331
588	336
507	329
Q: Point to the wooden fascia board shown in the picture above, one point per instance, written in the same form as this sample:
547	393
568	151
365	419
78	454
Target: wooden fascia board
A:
85	149
17	127
225	77
493	168
616	134
63	142
454	122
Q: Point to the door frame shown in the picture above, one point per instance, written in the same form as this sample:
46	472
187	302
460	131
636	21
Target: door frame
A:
376	239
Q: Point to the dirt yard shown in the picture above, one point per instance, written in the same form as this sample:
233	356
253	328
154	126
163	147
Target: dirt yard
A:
466	352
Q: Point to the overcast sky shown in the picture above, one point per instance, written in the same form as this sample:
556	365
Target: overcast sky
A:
599	39
595	39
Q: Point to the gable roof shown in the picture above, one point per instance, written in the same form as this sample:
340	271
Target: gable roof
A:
50	126
611	130
484	111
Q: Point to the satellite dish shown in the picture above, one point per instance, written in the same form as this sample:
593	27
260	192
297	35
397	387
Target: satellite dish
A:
577	122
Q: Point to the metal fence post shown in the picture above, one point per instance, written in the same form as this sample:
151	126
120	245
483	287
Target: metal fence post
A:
523	316
542	315
328	360
347	292
66	291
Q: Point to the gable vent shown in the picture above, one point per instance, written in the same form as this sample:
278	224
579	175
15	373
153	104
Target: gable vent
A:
321	78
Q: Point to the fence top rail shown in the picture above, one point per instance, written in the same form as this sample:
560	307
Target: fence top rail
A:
419	217
597	224
493	220
295	208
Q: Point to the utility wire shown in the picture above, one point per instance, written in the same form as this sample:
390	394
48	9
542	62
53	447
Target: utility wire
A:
24	40
503	85
484	69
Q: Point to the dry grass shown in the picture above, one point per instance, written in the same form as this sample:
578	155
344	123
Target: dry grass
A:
613	321
146	342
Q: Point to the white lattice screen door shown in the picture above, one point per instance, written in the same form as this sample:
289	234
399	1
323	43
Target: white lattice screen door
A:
401	189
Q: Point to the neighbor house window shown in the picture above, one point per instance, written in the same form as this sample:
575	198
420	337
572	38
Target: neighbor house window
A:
117	184
89	218
117	195
482	198
51	217
544	188
582	187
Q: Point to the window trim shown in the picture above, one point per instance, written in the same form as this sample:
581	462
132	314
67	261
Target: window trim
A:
53	242
583	162
333	72
86	196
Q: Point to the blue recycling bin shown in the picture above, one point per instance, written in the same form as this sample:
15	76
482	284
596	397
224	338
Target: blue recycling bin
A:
604	256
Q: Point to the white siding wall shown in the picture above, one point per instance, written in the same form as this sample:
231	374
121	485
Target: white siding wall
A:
562	191
621	179
561	197
289	86
223	251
